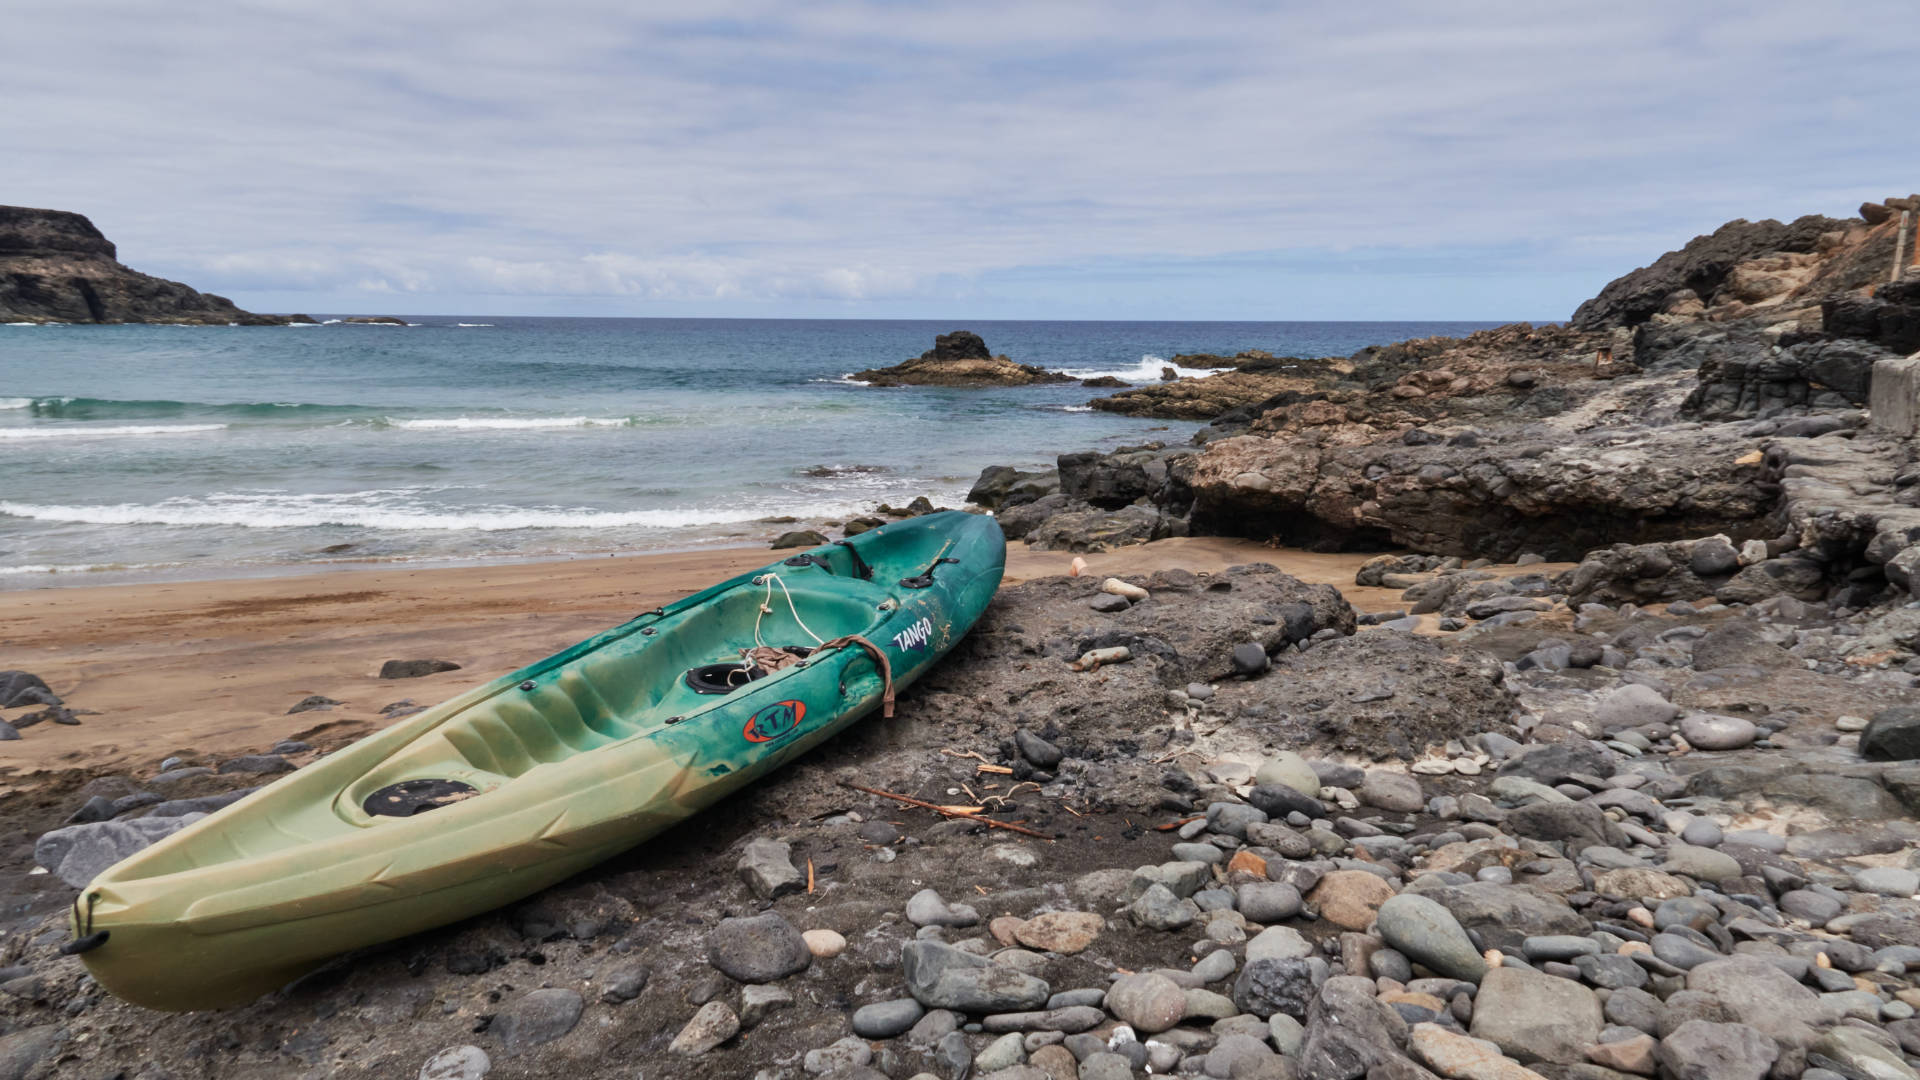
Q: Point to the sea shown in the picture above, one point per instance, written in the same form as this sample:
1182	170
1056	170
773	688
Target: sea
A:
147	452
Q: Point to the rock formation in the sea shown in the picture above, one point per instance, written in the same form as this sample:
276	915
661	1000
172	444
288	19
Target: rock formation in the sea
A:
55	266
374	320
959	359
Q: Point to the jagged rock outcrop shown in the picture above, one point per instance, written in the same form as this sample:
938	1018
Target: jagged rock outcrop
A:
1205	397
1705	267
959	359
55	266
1890	318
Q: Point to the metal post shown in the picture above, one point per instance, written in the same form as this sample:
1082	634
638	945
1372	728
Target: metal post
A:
1900	245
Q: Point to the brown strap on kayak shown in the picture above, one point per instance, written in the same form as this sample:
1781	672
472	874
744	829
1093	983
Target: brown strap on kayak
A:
880	658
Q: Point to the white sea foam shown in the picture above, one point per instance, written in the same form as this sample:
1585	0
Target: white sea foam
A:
511	423
77	568
395	509
473	324
15	403
76	432
1148	370
1076	408
25	324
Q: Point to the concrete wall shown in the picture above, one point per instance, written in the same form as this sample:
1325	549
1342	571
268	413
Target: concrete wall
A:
1894	400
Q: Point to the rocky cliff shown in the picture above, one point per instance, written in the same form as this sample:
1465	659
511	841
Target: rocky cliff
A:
55	266
1717	391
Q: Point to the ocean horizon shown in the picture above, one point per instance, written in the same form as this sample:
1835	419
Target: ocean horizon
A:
141	452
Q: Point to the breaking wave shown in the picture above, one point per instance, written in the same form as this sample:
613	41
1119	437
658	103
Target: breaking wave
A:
511	423
1148	370
99	432
399	509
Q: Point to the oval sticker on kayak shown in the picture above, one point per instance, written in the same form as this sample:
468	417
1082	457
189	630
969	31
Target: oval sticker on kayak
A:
776	720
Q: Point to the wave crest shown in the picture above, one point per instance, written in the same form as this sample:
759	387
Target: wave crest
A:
1146	371
99	432
511	423
394	509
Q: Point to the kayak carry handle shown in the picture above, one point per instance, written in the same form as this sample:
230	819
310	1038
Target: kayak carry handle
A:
860	567
924	579
89	939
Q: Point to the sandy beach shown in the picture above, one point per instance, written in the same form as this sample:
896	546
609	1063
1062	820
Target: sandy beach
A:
211	667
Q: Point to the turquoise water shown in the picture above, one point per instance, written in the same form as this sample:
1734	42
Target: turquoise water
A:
161	451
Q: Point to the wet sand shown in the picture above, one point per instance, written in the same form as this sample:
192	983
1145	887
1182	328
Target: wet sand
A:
212	667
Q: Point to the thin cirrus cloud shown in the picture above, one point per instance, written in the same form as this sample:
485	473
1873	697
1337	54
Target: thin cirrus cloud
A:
1209	160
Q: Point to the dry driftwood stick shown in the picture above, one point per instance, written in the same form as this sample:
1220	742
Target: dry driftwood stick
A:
911	801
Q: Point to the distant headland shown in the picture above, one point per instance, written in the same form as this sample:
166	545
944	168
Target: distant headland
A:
55	266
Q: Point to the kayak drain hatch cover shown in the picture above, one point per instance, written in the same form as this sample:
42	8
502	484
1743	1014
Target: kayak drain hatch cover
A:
410	797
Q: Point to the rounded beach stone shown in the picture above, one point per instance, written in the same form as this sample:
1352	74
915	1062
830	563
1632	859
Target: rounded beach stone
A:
1429	935
1349	898
758	949
457	1063
1706	731
825	944
1288	769
1150	1003
1060	931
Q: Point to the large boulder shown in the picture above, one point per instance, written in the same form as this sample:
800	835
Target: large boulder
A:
1560	497
1760	995
1504	915
1349	1031
1533	1016
1892	735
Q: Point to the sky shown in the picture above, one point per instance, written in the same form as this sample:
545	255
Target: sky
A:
1395	159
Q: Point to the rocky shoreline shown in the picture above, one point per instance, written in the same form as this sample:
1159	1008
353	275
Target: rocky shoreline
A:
1649	815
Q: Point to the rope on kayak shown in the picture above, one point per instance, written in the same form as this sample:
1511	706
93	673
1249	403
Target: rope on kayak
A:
766	609
879	658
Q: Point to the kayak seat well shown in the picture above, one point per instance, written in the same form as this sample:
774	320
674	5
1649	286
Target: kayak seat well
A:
630	686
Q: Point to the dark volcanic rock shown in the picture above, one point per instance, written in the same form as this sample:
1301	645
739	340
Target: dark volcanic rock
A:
1755	380
1892	735
19	688
56	267
1092	530
798	539
413	669
959	359
758	949
1701	267
1001	486
1559	497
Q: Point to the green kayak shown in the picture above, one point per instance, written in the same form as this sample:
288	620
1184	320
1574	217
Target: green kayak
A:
515	785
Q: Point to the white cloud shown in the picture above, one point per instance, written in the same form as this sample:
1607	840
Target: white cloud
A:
856	153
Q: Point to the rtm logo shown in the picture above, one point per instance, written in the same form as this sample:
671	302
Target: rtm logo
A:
915	636
775	721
